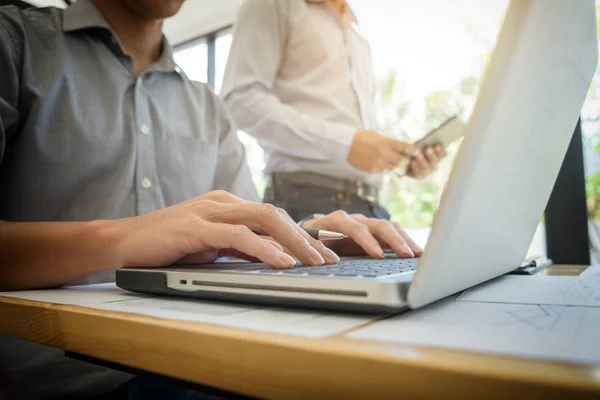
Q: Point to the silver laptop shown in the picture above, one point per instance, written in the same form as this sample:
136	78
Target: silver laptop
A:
515	141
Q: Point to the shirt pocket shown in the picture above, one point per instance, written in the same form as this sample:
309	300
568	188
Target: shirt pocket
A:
186	165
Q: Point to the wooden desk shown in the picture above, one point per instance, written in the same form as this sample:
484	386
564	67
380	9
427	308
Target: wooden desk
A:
283	367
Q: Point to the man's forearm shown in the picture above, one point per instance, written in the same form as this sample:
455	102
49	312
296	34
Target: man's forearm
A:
50	254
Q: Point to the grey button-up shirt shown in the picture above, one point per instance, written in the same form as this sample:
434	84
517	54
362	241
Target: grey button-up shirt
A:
83	137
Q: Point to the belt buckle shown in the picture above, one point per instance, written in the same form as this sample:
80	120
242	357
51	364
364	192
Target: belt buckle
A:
360	192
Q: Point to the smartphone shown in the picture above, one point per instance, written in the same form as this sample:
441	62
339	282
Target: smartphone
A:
445	134
450	131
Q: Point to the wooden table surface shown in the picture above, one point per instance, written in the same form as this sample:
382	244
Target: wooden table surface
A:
284	367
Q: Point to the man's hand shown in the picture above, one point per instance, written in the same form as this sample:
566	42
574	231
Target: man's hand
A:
212	225
424	163
365	235
375	153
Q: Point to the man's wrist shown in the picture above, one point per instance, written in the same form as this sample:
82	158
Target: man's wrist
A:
108	236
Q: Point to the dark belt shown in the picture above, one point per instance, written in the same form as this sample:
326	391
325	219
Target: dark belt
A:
358	188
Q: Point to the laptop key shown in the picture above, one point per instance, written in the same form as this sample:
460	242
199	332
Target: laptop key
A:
311	270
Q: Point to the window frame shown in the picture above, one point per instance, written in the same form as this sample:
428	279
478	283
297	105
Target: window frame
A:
210	39
567	236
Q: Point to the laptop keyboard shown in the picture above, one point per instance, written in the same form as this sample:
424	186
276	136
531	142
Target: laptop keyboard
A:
367	268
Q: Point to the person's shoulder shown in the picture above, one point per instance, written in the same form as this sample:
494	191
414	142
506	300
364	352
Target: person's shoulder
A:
22	23
280	7
209	106
31	16
204	94
200	87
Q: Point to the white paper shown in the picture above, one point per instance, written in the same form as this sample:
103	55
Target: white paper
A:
549	290
522	330
266	319
591	272
86	295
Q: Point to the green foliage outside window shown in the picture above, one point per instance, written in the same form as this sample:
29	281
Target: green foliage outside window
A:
409	201
590	119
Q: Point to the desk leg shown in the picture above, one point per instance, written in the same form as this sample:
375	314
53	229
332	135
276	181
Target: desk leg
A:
172	381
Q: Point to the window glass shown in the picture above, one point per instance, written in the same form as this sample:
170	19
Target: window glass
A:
193	60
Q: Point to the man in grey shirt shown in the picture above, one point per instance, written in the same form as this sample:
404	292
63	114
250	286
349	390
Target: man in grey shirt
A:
111	157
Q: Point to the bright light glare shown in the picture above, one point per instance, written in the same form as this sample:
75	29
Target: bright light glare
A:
431	44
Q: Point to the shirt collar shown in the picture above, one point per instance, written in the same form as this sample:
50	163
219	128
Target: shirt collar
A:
166	61
84	15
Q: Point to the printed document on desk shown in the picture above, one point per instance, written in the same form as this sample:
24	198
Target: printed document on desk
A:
548	290
551	332
590	272
266	319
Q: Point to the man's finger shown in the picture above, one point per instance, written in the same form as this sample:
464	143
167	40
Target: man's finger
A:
417	250
241	238
225	197
203	257
343	223
237	254
387	233
328	255
223	215
210	256
267	218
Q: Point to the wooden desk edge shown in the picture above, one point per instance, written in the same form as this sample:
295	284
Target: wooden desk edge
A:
233	353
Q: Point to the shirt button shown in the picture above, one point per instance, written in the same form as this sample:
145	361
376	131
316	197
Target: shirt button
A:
177	69
145	129
146	183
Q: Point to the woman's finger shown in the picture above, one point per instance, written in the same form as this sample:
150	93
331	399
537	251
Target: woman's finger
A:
432	158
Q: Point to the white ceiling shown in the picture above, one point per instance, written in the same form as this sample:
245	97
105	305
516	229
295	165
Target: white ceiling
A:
196	17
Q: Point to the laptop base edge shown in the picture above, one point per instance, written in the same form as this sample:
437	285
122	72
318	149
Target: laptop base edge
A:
156	283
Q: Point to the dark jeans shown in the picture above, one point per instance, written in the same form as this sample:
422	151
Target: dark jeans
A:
300	201
143	388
